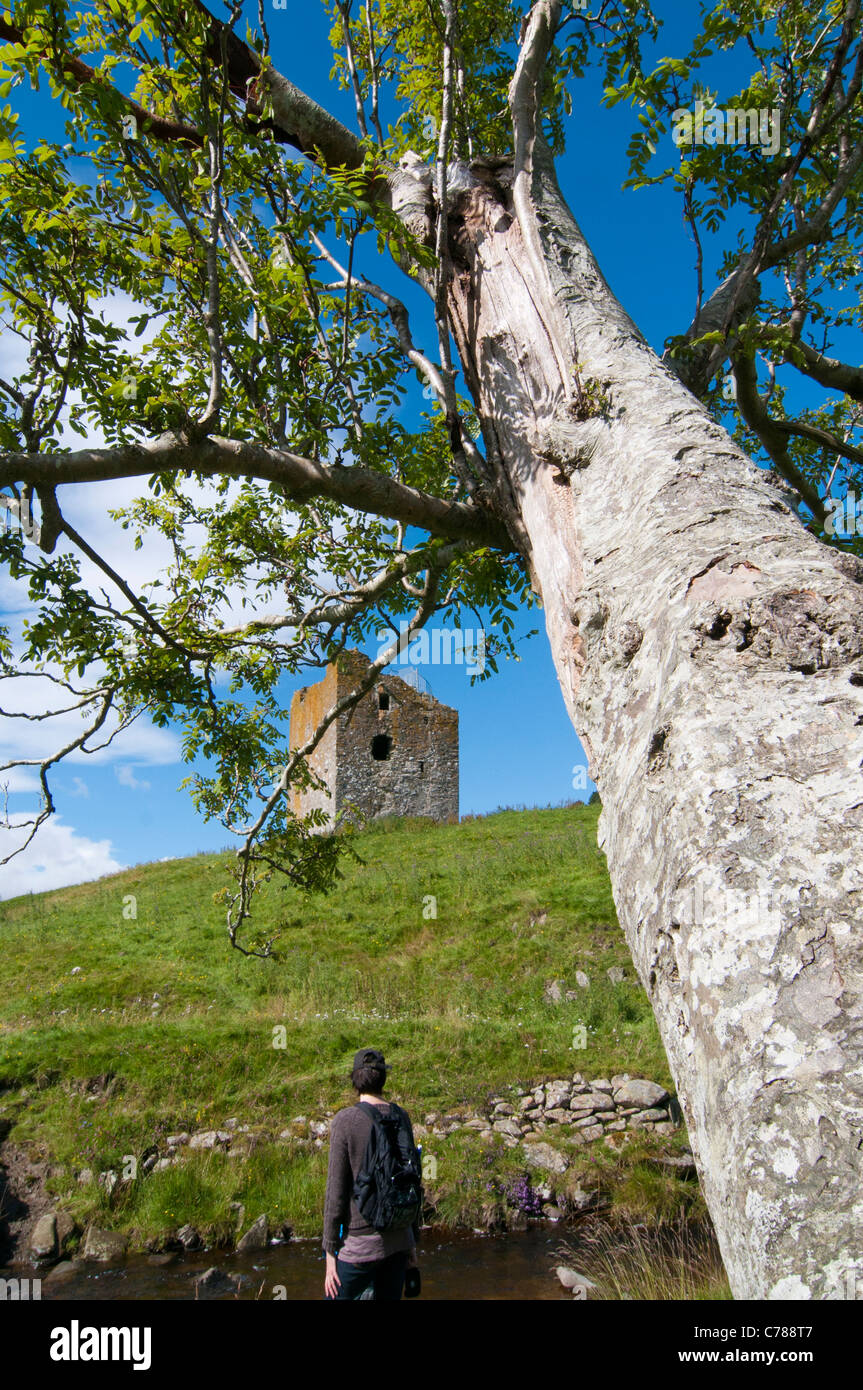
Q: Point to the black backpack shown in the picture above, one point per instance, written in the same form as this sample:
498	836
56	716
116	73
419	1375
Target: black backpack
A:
388	1187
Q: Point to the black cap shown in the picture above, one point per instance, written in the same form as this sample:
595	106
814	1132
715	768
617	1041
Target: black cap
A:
370	1057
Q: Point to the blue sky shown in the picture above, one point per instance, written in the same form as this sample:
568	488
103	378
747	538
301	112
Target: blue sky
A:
517	744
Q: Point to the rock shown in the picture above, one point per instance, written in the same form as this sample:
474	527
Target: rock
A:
588	1103
64	1270
545	1157
684	1164
517	1221
162	1163
664	1127
319	1128
67	1227
209	1139
509	1127
601	1085
560	1117
644	1094
571	1279
551	1212
582	980
614	1125
616	974
215	1283
654	1114
579	1200
617	1081
44	1241
162	1258
472	1124
588	1132
527	1103
85	1176
557	1093
256	1236
149	1163
503	1109
105	1246
553	992
432	1118
189	1238
176	1141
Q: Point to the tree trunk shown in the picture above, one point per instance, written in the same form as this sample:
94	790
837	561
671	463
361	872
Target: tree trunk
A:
710	652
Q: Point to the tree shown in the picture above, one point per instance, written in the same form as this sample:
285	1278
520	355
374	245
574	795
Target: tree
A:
703	615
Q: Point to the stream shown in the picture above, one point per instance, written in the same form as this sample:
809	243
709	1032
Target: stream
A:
456	1266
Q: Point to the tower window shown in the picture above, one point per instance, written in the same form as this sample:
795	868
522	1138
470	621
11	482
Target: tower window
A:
422	767
381	745
383	699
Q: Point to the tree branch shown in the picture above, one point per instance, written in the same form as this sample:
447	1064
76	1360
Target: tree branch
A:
301	478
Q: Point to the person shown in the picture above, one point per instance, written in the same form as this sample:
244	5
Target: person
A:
358	1256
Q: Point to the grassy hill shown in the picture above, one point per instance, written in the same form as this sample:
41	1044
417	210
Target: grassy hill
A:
186	1025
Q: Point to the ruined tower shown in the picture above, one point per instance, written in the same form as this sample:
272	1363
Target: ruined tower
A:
394	754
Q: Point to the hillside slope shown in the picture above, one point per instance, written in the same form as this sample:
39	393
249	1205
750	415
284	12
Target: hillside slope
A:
118	1030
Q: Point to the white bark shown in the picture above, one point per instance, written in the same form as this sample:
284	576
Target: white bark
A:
710	652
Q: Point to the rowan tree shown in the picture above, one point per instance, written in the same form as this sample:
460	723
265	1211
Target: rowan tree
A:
703	612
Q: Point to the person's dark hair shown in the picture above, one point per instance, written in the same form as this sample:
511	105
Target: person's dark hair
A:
370	1079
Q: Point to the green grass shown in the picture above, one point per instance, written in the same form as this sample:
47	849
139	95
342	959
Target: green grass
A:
456	1002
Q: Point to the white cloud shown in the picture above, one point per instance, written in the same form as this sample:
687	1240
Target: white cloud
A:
57	857
126	777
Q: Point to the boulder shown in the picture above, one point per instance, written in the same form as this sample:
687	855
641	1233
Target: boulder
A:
558	1116
64	1270
554	991
588	1132
67	1227
644	1094
44	1241
209	1139
509	1127
105	1246
590	1102
256	1236
176	1141
502	1108
616	974
602	1084
189	1238
582	980
545	1157
215	1283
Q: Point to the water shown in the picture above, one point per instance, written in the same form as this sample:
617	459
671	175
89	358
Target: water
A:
455	1266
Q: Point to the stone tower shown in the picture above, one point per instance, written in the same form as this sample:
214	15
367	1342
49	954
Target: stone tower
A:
394	754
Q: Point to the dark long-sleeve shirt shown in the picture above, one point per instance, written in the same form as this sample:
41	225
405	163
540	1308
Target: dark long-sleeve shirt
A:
349	1133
